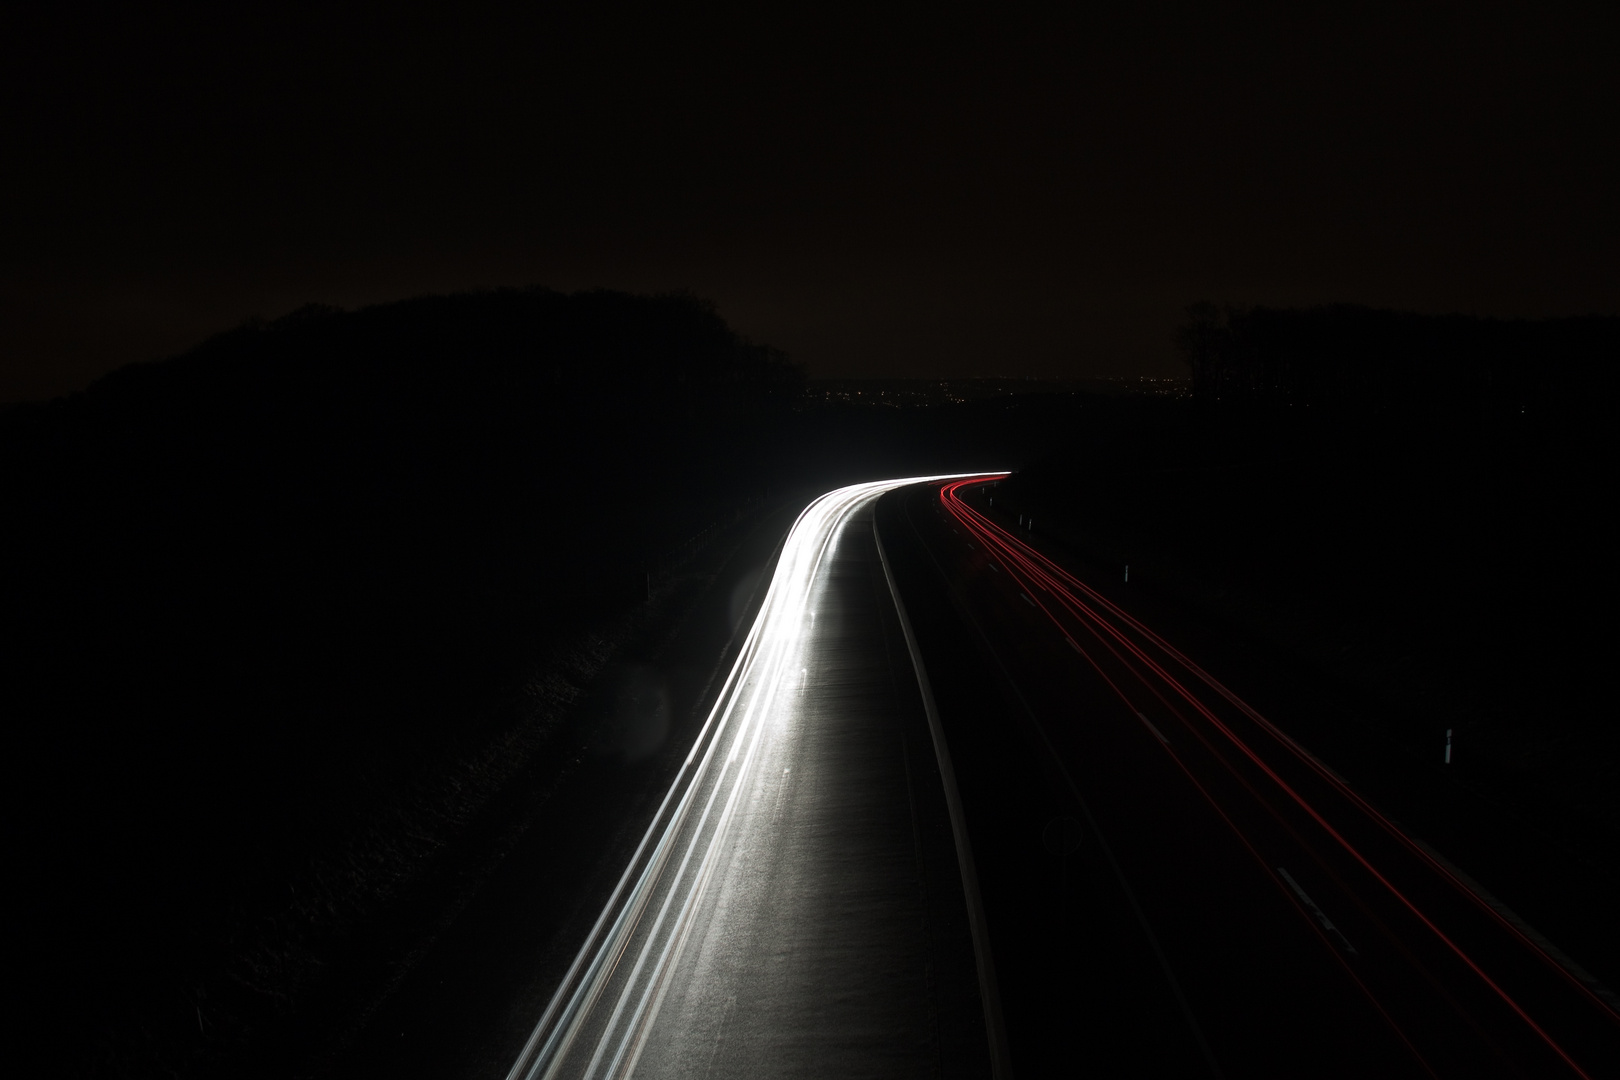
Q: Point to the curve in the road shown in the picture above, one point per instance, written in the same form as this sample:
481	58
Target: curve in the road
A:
598	1022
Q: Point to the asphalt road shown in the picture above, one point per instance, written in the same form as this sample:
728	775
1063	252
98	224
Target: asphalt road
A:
796	906
1055	846
1290	929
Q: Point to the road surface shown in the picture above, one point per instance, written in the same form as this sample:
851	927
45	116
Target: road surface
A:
796	906
1295	930
1054	845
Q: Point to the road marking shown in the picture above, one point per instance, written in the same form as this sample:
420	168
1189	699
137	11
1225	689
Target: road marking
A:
1327	923
1072	645
720	1032
602	1013
989	989
1558	956
1157	733
1027	600
1124	885
994	567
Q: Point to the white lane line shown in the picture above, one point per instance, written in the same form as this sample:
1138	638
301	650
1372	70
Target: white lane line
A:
1027	600
984	958
1156	732
1124	884
1310	905
1558	955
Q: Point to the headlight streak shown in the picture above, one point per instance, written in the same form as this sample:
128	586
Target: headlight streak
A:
573	1038
1028	567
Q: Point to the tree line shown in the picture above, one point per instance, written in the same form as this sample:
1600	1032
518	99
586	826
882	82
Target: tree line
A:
1350	357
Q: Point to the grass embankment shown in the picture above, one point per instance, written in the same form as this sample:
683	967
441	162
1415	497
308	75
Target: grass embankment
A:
1453	574
280	617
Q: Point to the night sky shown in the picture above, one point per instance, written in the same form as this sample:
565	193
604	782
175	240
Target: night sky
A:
884	190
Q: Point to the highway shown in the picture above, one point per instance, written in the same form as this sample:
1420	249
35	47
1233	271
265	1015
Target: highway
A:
795	906
956	812
1296	930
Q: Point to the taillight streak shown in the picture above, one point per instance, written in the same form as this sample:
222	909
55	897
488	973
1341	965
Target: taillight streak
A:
1018	557
1012	555
983	526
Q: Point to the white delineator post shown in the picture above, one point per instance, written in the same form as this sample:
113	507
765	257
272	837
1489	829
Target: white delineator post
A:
1448	746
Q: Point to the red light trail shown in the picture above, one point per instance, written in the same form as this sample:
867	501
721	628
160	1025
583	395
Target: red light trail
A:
1137	655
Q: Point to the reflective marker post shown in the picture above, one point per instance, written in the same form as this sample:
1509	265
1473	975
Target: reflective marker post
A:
1448	746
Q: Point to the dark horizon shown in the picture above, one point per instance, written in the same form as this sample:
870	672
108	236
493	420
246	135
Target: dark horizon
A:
951	194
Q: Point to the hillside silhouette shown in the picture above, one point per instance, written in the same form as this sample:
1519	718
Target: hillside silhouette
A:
276	613
284	619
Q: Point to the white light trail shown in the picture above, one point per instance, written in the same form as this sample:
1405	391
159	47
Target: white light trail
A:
599	1018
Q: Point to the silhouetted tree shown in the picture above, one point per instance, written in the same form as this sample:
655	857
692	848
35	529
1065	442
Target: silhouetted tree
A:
1349	357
